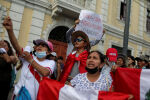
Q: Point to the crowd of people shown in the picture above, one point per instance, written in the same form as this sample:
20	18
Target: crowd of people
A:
83	69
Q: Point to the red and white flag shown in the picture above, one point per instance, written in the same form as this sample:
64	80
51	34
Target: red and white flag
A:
52	90
133	81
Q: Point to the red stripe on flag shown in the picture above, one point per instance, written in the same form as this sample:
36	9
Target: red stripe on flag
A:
127	80
104	95
34	73
49	89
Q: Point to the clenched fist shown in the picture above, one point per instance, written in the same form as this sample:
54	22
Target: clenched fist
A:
8	24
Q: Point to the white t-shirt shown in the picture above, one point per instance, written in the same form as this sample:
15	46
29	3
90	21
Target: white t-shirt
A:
103	83
28	80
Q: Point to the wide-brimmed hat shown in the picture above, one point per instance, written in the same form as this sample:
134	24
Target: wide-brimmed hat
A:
83	35
47	43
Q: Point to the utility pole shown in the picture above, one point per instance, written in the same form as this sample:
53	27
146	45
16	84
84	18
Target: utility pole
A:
126	29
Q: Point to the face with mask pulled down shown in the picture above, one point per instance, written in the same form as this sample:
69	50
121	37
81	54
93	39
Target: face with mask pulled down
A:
93	63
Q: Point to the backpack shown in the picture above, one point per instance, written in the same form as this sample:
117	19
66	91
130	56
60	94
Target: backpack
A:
23	94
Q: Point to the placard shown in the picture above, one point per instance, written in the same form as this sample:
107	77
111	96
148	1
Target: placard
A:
91	24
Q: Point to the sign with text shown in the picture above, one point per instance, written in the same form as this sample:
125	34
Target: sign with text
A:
91	24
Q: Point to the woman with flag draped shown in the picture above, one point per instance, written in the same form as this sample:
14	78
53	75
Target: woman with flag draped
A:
76	61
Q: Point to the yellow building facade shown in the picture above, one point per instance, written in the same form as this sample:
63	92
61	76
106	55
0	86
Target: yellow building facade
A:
34	19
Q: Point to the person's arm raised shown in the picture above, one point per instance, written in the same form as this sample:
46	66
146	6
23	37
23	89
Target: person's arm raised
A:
71	30
9	27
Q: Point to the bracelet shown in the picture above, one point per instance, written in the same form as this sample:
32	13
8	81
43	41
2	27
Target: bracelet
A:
31	61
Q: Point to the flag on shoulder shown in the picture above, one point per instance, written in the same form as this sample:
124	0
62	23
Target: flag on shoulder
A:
133	81
53	90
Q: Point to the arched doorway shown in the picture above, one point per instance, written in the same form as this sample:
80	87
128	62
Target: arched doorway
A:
58	37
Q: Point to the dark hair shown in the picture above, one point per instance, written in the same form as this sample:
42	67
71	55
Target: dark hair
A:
101	56
123	57
133	63
60	58
10	51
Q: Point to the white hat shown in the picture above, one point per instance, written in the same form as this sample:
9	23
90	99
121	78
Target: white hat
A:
54	54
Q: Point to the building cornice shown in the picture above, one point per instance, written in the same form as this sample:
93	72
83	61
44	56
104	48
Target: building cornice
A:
119	33
39	5
67	5
59	7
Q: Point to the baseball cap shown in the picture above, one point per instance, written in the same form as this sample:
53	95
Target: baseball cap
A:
47	43
54	54
112	54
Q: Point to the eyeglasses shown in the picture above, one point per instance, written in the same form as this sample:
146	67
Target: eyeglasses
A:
78	40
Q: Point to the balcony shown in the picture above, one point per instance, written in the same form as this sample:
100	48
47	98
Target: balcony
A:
71	8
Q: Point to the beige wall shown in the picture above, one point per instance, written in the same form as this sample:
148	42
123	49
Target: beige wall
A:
134	18
98	6
25	26
47	20
6	5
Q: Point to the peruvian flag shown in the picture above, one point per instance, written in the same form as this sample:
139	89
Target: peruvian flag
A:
53	90
133	81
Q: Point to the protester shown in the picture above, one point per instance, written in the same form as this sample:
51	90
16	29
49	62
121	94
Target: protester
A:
121	61
141	62
148	66
69	34
34	67
131	62
95	78
60	61
111	56
76	61
7	58
57	70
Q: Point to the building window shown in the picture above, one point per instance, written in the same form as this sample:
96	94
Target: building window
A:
148	21
123	7
120	49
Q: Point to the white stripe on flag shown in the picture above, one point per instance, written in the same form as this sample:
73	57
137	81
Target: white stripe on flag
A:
144	83
70	93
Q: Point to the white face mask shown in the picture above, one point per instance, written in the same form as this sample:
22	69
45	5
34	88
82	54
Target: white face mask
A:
40	54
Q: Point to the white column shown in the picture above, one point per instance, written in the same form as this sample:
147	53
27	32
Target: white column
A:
139	50
141	20
104	10
2	13
36	26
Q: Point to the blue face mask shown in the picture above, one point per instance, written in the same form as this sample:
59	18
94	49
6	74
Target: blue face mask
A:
40	54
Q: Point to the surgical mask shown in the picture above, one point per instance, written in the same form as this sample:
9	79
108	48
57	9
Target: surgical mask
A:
91	71
40	54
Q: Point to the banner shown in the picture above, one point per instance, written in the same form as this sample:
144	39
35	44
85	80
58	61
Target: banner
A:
91	24
53	90
133	81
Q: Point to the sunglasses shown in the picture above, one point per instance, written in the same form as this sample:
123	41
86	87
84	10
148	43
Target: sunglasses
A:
78	40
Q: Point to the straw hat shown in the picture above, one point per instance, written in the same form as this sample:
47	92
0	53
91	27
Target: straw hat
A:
83	35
